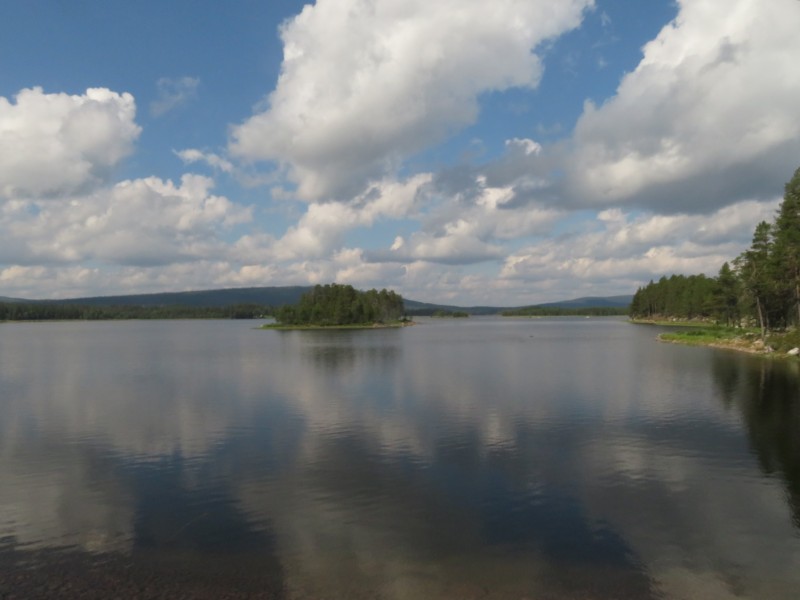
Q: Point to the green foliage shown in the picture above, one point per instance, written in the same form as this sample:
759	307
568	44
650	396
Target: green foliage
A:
679	296
334	305
783	342
702	336
786	246
46	311
762	287
726	296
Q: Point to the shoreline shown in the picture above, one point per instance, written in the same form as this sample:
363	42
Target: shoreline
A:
279	327
731	344
747	340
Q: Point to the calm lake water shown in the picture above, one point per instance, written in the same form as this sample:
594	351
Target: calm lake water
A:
469	458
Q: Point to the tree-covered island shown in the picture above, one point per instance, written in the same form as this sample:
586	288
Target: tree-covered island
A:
334	305
754	302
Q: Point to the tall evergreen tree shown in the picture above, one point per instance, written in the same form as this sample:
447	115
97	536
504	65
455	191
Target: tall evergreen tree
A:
753	267
766	277
726	295
787	243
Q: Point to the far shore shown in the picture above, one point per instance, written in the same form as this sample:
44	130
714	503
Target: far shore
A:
314	327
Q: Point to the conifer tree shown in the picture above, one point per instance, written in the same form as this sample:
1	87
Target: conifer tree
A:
726	295
753	267
787	244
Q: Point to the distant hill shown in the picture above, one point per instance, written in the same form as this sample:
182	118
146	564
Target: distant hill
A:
425	308
264	296
280	295
592	302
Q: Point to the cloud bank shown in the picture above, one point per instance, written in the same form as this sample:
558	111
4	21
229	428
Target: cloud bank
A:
668	174
365	84
707	118
55	144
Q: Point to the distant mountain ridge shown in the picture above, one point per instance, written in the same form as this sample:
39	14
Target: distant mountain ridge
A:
421	308
622	301
592	302
280	295
267	296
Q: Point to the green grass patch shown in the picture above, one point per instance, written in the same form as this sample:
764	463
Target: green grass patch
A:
665	323
785	341
702	337
746	339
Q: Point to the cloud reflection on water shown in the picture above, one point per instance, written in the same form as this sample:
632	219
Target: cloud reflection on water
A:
515	456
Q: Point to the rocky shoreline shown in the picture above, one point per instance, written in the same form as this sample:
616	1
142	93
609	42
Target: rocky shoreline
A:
743	343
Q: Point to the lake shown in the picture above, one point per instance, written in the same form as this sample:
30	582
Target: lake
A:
463	458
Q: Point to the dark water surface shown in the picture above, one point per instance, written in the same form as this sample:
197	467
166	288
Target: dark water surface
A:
475	458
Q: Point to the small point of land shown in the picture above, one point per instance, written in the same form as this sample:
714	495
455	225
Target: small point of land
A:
742	339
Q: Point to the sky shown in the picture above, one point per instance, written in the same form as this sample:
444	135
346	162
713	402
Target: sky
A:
459	151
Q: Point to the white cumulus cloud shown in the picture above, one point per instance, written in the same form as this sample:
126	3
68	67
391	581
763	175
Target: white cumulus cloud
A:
321	230
366	83
708	117
55	144
624	250
193	155
141	222
470	226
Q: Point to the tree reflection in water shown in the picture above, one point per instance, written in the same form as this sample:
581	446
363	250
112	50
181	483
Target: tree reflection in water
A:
767	394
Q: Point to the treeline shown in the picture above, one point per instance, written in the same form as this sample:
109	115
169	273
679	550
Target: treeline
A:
45	311
334	304
556	311
450	314
687	297
761	285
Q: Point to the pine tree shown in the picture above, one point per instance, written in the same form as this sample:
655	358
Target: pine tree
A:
753	267
787	243
726	295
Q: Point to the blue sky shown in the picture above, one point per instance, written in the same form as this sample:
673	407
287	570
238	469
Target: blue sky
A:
502	153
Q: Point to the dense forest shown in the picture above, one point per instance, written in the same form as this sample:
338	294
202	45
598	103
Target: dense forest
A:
45	311
334	304
761	286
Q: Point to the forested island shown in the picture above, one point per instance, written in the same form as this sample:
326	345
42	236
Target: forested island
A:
335	305
759	289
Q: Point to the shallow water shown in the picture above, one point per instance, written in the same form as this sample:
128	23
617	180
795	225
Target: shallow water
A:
469	458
